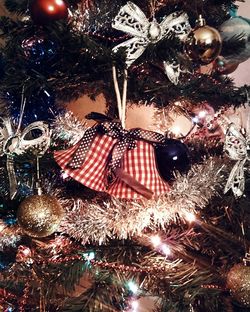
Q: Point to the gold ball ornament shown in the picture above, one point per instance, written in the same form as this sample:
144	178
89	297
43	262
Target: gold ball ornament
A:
203	44
238	282
39	215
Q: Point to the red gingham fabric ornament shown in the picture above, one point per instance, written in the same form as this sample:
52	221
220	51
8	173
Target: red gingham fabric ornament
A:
93	172
139	163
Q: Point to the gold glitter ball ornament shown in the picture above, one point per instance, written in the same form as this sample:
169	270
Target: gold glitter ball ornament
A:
238	282
203	44
39	215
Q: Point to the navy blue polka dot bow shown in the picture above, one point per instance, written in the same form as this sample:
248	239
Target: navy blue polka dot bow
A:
126	139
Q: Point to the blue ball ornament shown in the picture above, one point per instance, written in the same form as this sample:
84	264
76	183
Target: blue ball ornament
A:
39	50
170	157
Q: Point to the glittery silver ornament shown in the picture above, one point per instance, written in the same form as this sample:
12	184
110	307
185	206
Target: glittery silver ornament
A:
39	215
131	20
237	27
237	147
238	282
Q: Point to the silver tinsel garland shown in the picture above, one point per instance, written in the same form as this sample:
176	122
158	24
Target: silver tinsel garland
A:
9	240
94	222
68	127
9	236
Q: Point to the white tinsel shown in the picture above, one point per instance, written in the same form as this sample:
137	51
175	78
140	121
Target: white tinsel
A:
9	236
92	221
68	127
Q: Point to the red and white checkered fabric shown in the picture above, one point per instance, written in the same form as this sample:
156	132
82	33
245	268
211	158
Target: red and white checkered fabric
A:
138	162
141	165
93	172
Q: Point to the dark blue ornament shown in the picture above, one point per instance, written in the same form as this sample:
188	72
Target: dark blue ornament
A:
39	50
170	157
25	191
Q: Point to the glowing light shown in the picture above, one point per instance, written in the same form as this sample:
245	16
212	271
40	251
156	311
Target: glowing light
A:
134	305
202	114
195	119
155	240
133	287
59	2
175	157
26	251
176	130
166	250
89	256
190	217
51	8
65	175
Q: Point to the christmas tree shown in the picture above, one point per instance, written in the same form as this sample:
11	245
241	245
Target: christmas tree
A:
124	179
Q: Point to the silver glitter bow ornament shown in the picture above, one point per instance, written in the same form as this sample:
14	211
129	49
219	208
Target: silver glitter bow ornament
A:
237	146
132	20
14	144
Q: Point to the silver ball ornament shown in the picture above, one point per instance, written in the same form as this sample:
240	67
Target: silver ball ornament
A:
234	27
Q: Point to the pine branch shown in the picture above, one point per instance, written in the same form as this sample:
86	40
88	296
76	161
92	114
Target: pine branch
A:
98	297
17	6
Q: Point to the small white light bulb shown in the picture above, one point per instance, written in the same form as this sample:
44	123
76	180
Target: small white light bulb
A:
166	250
202	114
176	130
190	217
132	287
65	175
195	119
91	256
155	240
134	305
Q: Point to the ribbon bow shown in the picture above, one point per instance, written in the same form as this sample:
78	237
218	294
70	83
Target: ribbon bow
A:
132	20
237	146
15	144
126	139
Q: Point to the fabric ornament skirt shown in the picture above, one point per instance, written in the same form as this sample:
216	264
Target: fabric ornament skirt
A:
120	165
